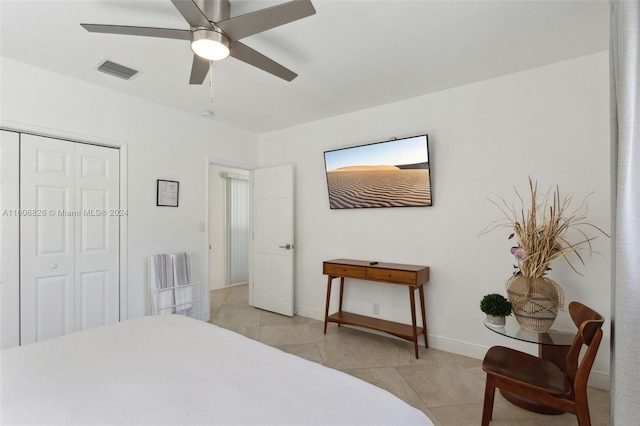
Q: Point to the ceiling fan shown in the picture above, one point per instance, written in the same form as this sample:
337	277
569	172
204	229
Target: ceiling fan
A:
214	34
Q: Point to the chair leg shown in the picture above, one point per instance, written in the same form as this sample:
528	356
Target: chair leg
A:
583	417
489	394
582	413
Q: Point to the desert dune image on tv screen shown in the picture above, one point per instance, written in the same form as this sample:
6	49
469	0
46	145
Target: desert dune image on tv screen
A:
386	174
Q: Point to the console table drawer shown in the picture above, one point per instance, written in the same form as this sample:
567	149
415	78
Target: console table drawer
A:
350	271
391	275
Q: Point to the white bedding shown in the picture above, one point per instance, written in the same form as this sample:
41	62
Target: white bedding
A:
176	370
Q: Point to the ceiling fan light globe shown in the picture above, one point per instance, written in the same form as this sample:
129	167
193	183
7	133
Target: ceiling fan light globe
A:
210	50
210	45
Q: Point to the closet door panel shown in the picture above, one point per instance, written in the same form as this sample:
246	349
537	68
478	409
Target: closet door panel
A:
52	226
94	289
97	236
54	296
94	227
46	238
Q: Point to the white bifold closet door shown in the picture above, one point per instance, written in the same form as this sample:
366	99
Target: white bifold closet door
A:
69	245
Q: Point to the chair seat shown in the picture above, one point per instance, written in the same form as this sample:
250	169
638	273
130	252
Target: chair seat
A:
522	367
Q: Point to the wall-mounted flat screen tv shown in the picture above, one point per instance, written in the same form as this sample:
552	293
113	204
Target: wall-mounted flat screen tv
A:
395	173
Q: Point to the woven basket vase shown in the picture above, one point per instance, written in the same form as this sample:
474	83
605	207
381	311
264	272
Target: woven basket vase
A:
535	301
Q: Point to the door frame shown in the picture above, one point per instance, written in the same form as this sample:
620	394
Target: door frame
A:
123	150
211	161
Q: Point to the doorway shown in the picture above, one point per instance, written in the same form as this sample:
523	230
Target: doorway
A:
270	245
229	213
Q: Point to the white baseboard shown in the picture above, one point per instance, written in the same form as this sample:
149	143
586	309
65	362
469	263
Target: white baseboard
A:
597	379
457	347
312	313
600	380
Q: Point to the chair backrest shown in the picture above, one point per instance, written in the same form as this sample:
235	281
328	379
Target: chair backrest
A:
589	324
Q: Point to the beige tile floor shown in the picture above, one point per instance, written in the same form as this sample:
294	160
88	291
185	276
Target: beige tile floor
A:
446	387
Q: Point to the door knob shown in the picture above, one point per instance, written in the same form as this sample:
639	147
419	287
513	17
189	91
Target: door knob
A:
288	247
53	266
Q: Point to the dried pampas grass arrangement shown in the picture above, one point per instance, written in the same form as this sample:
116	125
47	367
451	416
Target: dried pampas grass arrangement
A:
541	230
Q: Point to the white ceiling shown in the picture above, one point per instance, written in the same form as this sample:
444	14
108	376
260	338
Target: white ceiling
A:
350	55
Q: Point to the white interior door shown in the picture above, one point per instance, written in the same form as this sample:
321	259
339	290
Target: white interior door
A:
273	239
97	295
46	240
69	246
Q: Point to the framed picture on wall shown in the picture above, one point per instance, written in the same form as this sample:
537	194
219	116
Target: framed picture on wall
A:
167	195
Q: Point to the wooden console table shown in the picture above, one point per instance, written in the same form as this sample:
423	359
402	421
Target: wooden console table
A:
413	276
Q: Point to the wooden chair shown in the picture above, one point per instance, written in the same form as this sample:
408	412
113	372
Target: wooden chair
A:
543	381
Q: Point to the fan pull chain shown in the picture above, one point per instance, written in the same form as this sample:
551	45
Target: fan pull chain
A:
210	81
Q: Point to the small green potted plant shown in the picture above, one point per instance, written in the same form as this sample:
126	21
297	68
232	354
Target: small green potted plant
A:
497	307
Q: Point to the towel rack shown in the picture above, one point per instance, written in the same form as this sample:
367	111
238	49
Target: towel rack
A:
170	285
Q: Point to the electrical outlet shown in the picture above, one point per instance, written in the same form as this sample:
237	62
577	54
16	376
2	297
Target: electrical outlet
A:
376	309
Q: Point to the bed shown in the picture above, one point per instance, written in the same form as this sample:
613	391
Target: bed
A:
172	369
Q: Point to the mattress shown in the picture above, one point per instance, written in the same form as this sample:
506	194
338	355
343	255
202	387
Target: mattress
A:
173	369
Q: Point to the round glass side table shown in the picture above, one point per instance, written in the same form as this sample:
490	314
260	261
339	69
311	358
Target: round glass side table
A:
552	346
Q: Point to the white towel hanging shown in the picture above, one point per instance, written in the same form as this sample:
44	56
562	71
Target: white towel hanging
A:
171	285
162	279
182	279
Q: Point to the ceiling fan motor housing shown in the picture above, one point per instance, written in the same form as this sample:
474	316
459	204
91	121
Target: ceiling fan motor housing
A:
216	10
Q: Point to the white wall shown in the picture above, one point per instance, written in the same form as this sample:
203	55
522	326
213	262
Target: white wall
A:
549	123
162	144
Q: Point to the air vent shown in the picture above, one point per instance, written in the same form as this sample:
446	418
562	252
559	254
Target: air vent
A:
117	70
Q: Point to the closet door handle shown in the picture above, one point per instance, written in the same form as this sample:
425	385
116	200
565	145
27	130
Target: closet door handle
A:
288	246
53	266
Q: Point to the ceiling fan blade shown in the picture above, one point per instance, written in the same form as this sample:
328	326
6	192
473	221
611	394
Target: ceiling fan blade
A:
256	22
138	31
199	70
191	13
248	55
